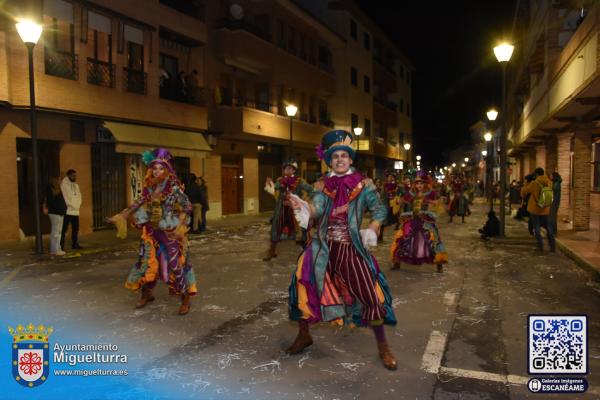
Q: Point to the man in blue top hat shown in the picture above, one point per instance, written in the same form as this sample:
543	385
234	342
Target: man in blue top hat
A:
337	279
283	223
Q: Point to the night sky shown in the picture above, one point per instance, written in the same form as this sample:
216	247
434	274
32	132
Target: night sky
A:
457	78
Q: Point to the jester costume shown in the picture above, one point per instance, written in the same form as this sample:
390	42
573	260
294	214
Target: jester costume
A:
283	223
337	279
460	203
162	213
418	240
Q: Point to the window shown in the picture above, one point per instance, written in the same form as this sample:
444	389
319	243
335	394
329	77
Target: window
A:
302	47
353	120
367	84
353	30
367	131
367	39
281	34
596	166
353	76
311	52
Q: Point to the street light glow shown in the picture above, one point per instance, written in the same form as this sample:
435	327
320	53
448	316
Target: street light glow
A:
466	159
487	136
492	114
453	165
29	31
463	165
406	146
484	153
503	52
446	168
358	131
418	158
291	110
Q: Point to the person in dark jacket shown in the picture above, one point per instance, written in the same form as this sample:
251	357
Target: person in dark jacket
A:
203	190
193	193
491	227
56	208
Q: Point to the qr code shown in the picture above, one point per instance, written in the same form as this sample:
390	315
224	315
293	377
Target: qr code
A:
557	344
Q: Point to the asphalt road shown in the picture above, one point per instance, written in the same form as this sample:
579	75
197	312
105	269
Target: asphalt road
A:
462	334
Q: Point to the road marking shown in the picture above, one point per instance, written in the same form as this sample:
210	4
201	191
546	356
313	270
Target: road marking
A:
432	358
11	276
450	298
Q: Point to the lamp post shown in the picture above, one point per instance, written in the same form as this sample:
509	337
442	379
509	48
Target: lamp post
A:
488	161
503	53
30	33
407	148
291	111
357	131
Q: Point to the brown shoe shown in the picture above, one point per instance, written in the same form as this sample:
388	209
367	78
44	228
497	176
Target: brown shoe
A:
440	268
184	308
396	266
146	297
303	340
386	356
270	254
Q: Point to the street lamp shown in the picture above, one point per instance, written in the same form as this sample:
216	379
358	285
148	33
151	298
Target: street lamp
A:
30	33
418	158
357	131
453	165
492	114
466	159
484	153
503	53
291	111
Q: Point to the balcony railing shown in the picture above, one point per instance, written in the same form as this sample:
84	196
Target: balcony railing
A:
245	26
134	81
194	95
195	9
61	63
100	73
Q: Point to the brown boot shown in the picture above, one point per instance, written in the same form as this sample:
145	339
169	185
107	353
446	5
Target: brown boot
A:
271	252
184	308
386	356
303	340
146	297
440	268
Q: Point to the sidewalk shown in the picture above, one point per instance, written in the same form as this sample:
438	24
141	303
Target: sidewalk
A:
582	247
14	254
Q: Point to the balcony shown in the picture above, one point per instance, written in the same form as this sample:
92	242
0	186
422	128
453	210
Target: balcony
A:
134	81
192	95
100	73
245	26
62	64
195	9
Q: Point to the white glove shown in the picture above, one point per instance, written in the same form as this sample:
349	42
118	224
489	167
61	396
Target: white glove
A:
368	238
270	187
302	214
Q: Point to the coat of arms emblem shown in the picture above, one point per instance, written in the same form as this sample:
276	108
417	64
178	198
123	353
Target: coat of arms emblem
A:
30	354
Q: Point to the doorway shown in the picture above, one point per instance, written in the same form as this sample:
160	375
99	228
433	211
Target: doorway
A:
269	166
108	183
231	184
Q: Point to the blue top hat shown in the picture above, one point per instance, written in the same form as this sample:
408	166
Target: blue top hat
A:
337	140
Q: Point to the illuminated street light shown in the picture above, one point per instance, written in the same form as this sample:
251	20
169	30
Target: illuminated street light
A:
406	146
291	111
466	159
492	114
453	165
503	52
484	153
418	158
487	136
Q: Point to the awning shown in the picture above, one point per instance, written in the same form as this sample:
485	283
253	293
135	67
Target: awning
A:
135	139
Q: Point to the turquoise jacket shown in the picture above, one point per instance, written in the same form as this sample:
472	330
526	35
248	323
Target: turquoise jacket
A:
280	194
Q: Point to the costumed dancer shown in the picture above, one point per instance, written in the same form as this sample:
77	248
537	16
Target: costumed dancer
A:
283	223
460	203
399	206
337	279
418	240
162	213
387	197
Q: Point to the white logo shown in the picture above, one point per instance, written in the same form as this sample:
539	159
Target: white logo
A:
534	385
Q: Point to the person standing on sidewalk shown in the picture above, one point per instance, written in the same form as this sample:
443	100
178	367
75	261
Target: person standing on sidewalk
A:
337	279
72	195
556	189
204	202
56	208
283	224
162	213
538	207
193	193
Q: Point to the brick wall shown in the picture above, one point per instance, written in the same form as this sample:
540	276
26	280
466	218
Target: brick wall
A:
78	156
9	228
564	169
551	155
581	181
540	156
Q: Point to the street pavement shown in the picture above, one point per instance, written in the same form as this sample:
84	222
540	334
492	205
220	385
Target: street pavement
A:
461	334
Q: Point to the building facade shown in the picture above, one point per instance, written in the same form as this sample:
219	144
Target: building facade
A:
554	93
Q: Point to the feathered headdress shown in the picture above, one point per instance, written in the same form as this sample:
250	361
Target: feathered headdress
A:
159	155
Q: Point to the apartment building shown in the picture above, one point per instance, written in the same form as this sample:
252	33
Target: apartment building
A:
554	93
106	89
374	89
